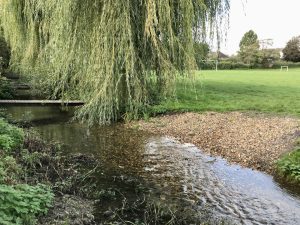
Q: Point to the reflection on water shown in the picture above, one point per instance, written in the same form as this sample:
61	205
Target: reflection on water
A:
180	172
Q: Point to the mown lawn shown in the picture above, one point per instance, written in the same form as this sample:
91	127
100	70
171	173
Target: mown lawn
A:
272	91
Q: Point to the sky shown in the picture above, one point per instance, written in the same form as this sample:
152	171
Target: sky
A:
275	19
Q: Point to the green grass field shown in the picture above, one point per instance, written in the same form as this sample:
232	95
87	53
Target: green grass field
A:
271	91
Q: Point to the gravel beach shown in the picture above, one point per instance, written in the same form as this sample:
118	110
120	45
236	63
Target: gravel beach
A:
251	140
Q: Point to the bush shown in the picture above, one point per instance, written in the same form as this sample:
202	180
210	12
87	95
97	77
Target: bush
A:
22	203
278	64
225	65
11	137
19	203
234	65
10	170
289	166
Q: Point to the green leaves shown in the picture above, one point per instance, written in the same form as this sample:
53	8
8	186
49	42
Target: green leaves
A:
291	52
289	166
249	48
20	204
10	136
250	38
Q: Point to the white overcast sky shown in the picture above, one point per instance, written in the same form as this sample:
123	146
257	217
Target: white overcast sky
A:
275	19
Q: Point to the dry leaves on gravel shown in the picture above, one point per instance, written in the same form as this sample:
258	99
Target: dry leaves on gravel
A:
251	140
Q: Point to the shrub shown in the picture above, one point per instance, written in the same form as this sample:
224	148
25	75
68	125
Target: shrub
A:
11	137
19	203
22	203
225	65
228	65
235	65
279	63
10	170
289	166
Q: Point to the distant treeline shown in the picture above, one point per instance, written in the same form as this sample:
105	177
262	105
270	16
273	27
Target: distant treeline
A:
229	65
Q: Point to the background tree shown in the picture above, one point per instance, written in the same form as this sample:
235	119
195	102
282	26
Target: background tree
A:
114	55
249	48
201	52
249	38
268	55
291	52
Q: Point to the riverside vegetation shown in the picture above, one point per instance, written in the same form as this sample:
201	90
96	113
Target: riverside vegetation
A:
41	186
31	174
267	91
20	202
289	166
39	154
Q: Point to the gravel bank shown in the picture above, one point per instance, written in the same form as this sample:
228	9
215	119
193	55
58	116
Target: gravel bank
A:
250	139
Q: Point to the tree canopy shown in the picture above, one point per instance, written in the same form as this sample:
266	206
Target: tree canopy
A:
249	47
249	38
291	52
117	56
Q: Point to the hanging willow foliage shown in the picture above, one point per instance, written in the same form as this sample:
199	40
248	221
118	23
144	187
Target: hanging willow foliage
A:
115	55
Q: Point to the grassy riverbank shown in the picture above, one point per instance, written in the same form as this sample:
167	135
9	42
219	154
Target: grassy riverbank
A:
21	202
41	186
34	176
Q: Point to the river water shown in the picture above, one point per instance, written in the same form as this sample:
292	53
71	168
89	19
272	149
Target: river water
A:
177	172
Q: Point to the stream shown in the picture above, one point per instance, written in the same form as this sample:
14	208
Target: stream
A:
177	173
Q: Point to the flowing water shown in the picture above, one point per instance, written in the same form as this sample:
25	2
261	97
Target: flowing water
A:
177	172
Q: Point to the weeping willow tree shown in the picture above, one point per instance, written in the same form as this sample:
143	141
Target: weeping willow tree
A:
115	55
